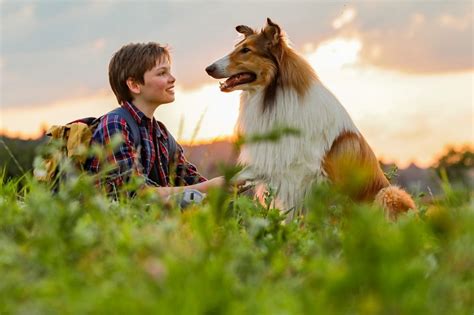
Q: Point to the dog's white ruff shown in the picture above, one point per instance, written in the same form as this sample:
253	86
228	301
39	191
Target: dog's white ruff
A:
291	165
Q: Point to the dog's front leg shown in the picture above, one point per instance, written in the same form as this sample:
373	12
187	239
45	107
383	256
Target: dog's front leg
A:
245	179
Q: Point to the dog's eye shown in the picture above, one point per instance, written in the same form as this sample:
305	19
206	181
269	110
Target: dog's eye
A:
245	50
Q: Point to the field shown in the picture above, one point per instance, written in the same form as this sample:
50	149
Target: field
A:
77	252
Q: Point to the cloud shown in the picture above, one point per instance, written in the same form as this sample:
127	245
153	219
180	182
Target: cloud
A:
417	37
18	12
346	17
19	18
54	60
62	49
335	53
455	22
47	76
99	44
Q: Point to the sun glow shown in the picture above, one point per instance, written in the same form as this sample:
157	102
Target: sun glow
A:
405	118
201	115
28	121
335	53
198	115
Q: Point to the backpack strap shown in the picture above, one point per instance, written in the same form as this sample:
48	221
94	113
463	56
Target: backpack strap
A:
125	114
172	144
137	139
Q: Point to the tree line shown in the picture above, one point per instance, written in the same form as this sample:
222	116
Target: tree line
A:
17	156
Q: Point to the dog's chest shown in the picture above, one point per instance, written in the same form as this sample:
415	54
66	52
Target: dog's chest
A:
319	118
290	154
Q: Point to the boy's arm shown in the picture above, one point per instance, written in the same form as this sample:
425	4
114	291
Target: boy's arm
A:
186	173
165	192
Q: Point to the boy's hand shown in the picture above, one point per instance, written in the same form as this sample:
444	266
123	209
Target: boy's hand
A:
216	182
221	182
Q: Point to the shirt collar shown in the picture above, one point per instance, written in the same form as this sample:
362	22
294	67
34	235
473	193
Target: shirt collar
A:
139	116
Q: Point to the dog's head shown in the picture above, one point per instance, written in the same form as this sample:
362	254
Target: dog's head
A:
253	63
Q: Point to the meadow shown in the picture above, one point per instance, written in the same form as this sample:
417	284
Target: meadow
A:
76	251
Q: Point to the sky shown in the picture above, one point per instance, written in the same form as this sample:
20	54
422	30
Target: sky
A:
403	69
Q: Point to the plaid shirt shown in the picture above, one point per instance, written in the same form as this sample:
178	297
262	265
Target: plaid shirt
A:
127	159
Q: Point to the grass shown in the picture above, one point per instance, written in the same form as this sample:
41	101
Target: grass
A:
76	252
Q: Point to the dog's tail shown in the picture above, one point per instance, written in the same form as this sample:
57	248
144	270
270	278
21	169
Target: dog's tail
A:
394	201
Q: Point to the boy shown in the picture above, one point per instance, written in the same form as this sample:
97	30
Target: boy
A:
141	79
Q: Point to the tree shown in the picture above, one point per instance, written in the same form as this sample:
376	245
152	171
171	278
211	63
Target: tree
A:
458	163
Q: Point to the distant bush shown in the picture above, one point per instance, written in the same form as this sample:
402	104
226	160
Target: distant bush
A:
17	155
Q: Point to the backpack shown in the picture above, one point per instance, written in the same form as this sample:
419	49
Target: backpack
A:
75	140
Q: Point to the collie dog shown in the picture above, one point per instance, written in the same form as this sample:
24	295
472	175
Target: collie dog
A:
279	88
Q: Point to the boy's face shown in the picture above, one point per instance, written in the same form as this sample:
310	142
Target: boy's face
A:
158	86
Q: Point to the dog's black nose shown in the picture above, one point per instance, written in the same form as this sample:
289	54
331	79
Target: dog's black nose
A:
210	69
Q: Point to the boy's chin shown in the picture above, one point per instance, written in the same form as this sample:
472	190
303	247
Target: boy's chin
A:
167	100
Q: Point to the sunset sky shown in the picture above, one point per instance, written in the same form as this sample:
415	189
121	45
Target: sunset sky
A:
402	69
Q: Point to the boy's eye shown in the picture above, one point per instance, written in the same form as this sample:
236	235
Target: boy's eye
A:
245	50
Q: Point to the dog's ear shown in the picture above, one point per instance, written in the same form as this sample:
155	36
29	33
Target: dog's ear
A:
243	29
272	32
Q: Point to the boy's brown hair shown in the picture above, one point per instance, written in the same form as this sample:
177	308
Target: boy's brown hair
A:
132	61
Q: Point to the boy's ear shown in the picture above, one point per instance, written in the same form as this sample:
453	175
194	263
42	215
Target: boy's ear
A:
133	86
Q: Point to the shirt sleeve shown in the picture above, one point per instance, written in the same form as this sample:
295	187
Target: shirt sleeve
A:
124	158
186	172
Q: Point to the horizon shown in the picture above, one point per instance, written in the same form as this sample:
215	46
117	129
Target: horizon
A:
231	141
406	79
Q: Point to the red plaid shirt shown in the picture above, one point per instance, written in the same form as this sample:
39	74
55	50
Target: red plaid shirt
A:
129	161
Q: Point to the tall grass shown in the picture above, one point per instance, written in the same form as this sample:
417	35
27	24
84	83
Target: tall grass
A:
77	252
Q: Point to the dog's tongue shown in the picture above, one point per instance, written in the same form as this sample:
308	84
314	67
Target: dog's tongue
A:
234	80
